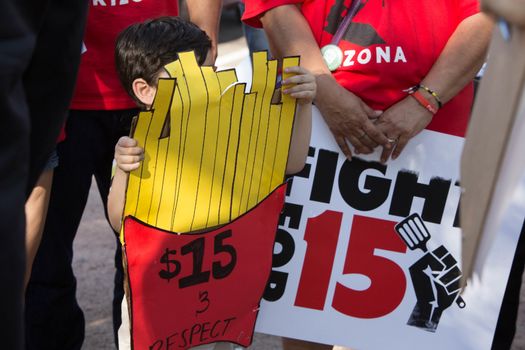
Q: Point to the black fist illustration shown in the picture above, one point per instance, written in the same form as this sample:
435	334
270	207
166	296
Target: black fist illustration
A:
435	277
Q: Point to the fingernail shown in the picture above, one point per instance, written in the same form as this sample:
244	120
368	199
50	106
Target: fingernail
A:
287	70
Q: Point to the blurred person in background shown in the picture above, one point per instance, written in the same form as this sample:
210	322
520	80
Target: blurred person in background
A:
100	113
40	45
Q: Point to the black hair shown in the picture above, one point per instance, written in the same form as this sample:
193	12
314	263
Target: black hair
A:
143	49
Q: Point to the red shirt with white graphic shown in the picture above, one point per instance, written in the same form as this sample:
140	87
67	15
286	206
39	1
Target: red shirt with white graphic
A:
390	46
98	86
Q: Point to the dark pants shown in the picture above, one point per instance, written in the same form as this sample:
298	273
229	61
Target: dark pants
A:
54	321
40	44
508	315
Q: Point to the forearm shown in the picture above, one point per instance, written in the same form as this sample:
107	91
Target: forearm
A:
206	14
461	58
289	34
300	141
117	198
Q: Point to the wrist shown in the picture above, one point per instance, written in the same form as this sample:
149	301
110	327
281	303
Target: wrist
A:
120	168
428	94
424	98
431	95
329	93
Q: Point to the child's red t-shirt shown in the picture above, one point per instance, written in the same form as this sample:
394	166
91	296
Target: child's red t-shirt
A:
390	46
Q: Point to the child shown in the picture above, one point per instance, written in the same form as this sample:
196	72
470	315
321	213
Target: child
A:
161	39
142	51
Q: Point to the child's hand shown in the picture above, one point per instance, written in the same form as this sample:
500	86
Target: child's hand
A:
127	154
305	89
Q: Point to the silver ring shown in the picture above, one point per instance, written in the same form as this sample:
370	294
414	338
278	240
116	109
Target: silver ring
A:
391	140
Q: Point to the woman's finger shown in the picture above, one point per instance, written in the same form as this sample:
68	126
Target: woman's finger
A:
375	134
359	146
343	146
385	154
367	141
403	140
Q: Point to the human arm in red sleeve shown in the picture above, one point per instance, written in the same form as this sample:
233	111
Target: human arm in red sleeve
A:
347	116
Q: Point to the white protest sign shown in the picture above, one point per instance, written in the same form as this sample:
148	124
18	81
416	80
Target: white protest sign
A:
343	275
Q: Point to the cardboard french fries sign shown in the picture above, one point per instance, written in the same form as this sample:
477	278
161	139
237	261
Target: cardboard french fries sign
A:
202	210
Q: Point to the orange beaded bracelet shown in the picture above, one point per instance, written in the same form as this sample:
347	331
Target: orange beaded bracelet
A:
423	101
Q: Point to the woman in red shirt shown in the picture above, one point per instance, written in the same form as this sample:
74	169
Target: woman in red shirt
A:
402	66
